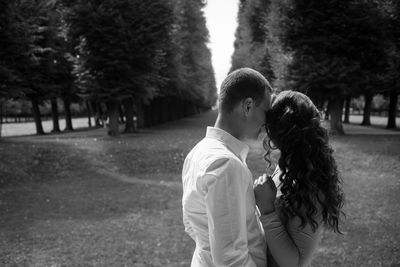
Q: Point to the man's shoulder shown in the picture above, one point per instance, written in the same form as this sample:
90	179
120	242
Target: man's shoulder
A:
213	150
211	153
218	164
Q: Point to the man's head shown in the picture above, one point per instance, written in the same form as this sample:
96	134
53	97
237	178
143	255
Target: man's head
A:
244	98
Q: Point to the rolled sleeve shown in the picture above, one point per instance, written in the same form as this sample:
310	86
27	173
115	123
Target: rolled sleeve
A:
226	191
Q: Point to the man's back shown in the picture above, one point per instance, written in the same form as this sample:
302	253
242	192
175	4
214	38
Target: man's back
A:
218	203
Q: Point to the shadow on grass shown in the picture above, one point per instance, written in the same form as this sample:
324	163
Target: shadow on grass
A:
56	182
57	206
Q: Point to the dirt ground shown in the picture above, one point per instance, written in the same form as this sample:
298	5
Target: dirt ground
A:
85	199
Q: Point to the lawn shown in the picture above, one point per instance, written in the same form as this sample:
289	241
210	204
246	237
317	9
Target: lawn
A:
85	199
29	128
375	120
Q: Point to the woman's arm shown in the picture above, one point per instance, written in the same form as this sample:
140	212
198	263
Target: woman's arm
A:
291	245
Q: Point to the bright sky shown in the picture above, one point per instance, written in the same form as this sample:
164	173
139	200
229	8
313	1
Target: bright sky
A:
221	22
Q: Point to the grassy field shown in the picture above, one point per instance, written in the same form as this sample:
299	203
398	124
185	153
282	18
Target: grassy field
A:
85	199
29	128
375	120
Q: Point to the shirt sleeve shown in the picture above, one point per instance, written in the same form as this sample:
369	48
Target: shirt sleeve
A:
291	245
188	227
226	190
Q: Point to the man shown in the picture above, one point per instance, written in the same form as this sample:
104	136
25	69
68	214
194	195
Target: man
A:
218	197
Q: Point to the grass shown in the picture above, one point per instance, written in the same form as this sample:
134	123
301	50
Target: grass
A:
29	128
376	121
85	199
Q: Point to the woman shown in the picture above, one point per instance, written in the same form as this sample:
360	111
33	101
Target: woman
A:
309	196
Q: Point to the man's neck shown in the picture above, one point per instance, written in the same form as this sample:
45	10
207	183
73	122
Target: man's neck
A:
226	123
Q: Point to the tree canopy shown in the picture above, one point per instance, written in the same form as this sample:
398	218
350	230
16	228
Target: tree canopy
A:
108	51
327	49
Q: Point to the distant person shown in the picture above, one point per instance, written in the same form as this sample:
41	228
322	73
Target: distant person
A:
304	195
219	210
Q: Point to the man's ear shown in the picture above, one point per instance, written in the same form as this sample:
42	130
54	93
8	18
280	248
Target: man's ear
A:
247	105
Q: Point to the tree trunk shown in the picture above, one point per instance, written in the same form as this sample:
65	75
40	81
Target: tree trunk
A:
319	103
367	109
164	110
113	115
98	114
172	110
392	109
1	115
328	109
1	112
37	117
347	110
89	113
155	111
68	116
140	114
129	113
54	115
181	109
121	114
147	115
336	112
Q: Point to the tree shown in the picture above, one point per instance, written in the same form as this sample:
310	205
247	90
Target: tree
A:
120	49
58	63
197	75
26	76
392	9
347	110
336	48
15	37
252	38
32	59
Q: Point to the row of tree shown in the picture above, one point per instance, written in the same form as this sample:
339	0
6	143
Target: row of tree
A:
332	50
147	58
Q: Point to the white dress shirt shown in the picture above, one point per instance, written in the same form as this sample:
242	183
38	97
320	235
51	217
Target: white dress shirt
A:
219	210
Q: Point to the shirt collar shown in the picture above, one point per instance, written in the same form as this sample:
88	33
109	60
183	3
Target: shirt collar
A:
239	148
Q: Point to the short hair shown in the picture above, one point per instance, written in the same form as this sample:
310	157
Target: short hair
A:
240	84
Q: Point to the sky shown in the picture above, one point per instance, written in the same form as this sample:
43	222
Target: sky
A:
221	22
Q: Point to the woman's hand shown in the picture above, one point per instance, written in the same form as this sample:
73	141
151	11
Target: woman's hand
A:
265	194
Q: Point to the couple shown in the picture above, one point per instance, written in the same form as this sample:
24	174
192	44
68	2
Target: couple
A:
219	196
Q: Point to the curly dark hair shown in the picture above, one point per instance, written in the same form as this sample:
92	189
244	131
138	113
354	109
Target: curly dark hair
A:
309	175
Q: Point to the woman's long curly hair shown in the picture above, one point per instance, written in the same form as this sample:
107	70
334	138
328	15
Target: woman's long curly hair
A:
310	181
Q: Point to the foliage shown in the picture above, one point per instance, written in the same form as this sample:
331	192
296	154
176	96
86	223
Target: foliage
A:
105	50
337	46
33	62
19	34
196	75
121	45
391	11
251	43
